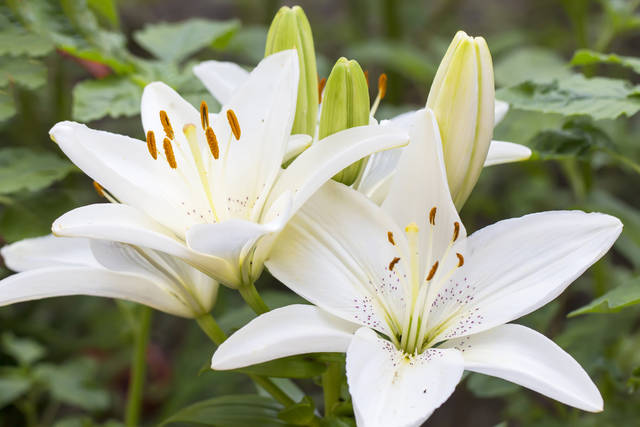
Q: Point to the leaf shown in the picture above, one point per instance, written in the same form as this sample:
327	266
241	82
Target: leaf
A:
232	411
589	57
173	42
113	96
598	97
299	414
106	9
16	41
7	107
287	367
12	386
24	350
529	63
22	71
80	421
22	169
486	386
613	301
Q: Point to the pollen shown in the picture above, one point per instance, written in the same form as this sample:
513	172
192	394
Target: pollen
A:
233	122
166	124
204	115
212	140
393	263
432	272
460	259
390	238
366	76
432	216
151	144
168	153
382	85
99	189
456	230
321	85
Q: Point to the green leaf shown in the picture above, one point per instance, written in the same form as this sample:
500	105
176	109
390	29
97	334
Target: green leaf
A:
486	386
7	107
529	64
589	57
22	71
106	9
598	97
80	421
12	386
287	367
299	414
113	96
613	301
173	42
24	350
22	169
16	41
232	411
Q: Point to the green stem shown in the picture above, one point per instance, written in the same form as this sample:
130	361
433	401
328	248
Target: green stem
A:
270	387
138	368
250	294
331	381
210	327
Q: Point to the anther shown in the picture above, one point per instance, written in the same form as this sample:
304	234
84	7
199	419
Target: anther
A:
166	124
321	85
432	216
204	115
460	259
168	153
393	263
213	143
366	76
151	144
390	238
432	272
382	85
456	230
233	122
99	189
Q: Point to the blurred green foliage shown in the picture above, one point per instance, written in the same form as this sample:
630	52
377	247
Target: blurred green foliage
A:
569	68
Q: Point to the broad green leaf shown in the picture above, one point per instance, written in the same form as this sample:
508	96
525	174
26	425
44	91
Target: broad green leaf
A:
12	386
529	63
287	367
589	57
22	71
106	9
173	42
22	169
231	411
486	386
24	350
112	96
7	107
598	97
16	41
613	301
299	414
578	137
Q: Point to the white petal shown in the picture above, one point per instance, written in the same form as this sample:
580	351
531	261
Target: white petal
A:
122	223
330	155
48	251
296	145
500	110
286	331
523	356
518	265
506	152
63	281
378	174
335	253
390	389
420	184
221	78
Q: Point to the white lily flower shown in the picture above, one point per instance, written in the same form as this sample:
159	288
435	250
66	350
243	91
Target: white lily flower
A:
52	266
209	188
413	301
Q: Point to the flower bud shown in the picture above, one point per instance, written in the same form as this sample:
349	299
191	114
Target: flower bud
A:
290	29
462	98
345	104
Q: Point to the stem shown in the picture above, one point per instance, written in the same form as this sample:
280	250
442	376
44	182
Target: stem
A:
210	327
271	388
138	368
251	296
331	381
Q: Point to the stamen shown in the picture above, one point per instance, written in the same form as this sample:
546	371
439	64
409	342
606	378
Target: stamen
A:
166	124
432	216
432	272
233	122
393	263
382	85
204	115
168	153
390	238
456	230
151	144
321	85
460	259
99	189
212	140
366	76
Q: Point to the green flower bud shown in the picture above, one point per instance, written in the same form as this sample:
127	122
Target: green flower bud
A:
290	29
462	98
345	104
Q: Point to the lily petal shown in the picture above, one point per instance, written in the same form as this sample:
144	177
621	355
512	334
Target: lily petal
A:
48	251
296	145
501	109
378	174
221	78
391	389
506	152
286	331
523	356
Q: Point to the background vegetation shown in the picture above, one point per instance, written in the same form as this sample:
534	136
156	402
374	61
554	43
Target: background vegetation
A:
64	362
